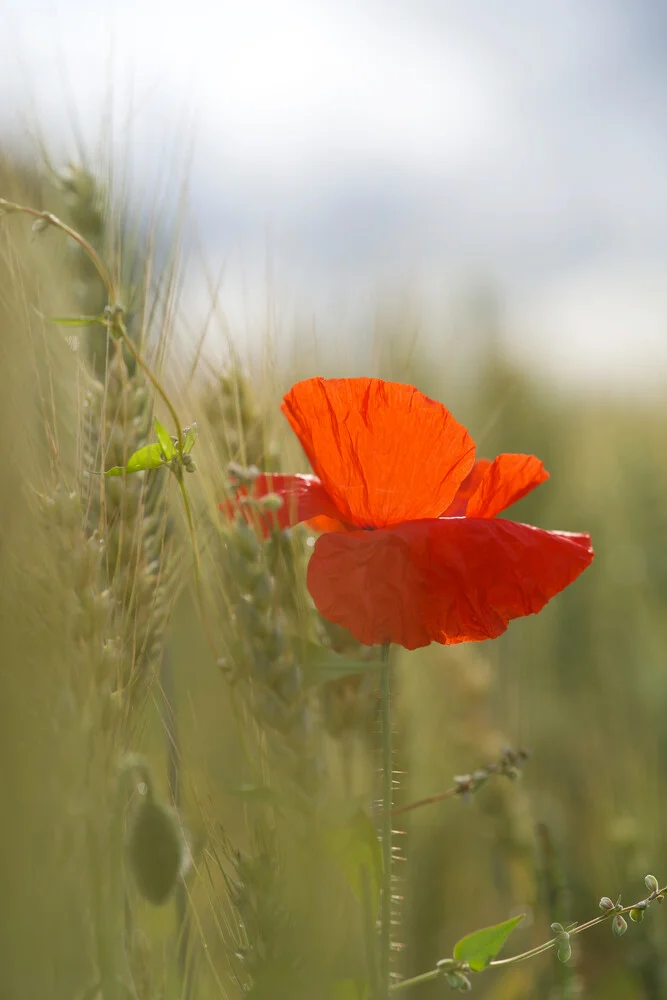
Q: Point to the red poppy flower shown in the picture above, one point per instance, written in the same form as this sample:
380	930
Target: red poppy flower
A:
416	554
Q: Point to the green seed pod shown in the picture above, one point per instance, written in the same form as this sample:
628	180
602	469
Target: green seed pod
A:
155	849
619	925
636	915
564	950
651	883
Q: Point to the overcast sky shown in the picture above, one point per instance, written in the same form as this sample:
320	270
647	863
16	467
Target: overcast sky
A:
442	144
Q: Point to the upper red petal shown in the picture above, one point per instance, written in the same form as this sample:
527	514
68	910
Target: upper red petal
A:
385	453
505	480
457	507
442	580
303	498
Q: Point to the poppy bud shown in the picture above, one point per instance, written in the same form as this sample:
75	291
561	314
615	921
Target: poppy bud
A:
155	849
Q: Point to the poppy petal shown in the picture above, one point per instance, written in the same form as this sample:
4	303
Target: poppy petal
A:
457	508
366	581
506	480
303	498
443	580
385	453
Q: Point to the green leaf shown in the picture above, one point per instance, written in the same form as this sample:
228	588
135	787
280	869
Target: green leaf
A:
481	947
321	664
148	457
190	438
76	320
356	850
164	437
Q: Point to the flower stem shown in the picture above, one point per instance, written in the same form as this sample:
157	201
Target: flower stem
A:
387	786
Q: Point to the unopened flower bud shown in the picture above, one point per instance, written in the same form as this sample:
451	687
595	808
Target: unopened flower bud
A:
155	849
607	904
651	883
636	915
619	925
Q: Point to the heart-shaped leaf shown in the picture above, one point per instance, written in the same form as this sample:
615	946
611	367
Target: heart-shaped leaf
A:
481	947
148	457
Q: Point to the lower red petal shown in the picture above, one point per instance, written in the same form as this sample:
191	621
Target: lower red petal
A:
366	581
446	580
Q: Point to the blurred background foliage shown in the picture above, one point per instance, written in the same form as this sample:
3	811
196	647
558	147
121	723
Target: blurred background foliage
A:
582	686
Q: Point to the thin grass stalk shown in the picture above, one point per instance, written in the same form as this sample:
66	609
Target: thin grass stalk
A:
387	801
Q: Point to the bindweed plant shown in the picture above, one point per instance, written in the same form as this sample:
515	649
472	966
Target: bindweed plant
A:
302	599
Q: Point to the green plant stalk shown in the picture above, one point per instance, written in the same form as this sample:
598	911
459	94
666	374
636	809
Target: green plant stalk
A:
387	799
117	323
427	977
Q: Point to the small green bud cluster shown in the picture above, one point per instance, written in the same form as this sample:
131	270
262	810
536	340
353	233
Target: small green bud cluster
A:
563	946
456	974
508	765
636	912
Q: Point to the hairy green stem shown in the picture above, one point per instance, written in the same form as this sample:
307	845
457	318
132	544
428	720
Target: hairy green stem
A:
387	788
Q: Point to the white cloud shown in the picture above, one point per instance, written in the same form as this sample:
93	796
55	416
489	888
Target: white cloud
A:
517	140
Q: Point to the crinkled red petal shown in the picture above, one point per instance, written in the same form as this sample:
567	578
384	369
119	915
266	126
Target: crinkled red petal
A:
457	507
303	498
385	453
506	480
443	580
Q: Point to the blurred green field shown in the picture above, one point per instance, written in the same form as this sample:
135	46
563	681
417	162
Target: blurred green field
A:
582	686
